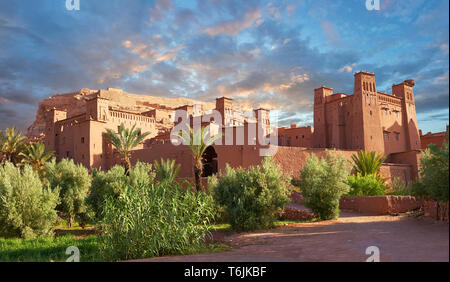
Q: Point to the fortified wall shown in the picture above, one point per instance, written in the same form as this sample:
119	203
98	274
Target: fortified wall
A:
291	159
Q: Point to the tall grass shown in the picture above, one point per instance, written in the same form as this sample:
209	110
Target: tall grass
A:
148	221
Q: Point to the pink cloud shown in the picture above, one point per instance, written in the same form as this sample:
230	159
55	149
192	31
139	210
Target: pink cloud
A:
233	27
330	32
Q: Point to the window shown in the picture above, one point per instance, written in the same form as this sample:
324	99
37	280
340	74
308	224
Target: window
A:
396	114
67	154
386	136
397	136
82	140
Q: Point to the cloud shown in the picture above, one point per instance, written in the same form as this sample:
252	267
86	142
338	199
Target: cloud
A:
233	27
441	80
444	48
260	52
330	32
346	69
290	9
157	12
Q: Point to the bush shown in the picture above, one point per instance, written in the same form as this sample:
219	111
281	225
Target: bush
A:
251	198
111	183
322	183
148	221
27	209
105	184
368	185
399	188
141	175
73	181
434	172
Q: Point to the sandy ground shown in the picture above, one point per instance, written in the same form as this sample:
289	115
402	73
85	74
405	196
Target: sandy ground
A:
399	238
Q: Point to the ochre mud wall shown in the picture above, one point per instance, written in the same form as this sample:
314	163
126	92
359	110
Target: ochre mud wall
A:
291	159
380	204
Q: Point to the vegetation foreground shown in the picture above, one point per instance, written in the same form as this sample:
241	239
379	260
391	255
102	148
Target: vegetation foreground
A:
53	249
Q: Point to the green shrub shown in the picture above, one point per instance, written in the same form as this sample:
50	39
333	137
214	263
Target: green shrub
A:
148	221
27	209
322	183
399	188
113	182
251	198
141	174
105	184
434	173
73	181
368	185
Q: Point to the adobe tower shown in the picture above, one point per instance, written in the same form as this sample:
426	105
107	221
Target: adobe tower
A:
370	136
367	120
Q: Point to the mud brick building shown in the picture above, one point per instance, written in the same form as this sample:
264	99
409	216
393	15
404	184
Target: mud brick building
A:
74	124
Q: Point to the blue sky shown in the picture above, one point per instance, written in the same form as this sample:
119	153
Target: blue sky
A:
261	53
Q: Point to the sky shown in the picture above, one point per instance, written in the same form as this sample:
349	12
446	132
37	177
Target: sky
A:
269	54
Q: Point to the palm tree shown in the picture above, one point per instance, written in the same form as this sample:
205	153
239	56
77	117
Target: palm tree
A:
198	142
36	156
124	141
166	170
367	163
11	144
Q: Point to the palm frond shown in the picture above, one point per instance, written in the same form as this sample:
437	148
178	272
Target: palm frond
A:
126	140
166	170
367	163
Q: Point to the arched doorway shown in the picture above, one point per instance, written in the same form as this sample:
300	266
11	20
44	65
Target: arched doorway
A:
209	162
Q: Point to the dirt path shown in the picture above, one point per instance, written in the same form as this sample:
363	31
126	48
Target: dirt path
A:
399	238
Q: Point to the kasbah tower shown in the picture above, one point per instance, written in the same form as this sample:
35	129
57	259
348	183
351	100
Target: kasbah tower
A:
367	120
